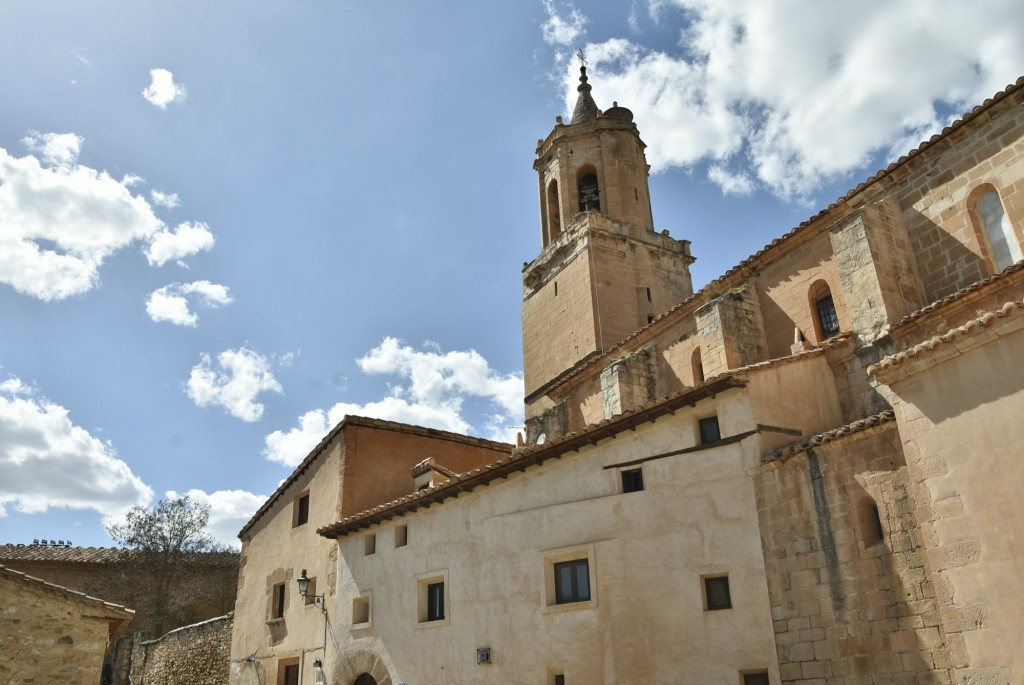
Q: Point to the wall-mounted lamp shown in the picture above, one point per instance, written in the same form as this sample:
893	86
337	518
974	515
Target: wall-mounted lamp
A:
303	582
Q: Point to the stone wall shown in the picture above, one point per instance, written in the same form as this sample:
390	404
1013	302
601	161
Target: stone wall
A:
47	635
198	654
850	603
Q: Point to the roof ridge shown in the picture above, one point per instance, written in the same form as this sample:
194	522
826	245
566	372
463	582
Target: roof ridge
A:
19	576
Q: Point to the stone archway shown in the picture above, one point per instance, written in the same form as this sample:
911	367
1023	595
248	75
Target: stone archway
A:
361	668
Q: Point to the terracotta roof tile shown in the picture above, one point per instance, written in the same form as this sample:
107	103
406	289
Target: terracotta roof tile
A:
111	609
858	426
959	294
94	555
976	324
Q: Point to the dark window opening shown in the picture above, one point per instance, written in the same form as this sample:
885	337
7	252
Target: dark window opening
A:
554	214
709	431
827	317
556	288
650	318
870	522
401	536
302	510
572	581
756	678
559	679
716	593
633	480
589	193
290	676
649	295
435	602
278	609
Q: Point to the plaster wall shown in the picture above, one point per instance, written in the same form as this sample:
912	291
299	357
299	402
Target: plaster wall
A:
647	552
959	415
275	551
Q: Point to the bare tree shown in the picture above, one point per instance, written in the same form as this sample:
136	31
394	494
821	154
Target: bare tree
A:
164	541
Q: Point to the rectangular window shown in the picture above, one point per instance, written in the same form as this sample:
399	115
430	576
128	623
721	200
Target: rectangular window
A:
370	544
401	536
756	678
300	510
572	581
716	593
709	431
559	679
277	608
360	610
288	672
435	602
632	480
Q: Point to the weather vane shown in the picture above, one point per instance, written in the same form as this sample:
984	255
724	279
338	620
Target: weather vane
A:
581	57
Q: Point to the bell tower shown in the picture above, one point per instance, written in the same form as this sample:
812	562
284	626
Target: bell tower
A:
603	271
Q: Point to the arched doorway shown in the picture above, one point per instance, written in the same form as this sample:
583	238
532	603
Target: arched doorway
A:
365	679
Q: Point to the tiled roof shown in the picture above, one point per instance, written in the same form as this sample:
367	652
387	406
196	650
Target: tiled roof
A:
111	609
974	325
523	457
753	261
828	436
367	423
96	555
977	286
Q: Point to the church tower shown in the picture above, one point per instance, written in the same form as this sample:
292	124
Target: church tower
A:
603	271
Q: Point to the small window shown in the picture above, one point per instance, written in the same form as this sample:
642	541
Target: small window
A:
697	367
288	672
401	536
432	599
277	599
827	317
435	601
759	678
572	581
559	679
709	431
998	229
716	593
649	295
650	318
301	510
633	480
590	196
360	610
370	544
870	522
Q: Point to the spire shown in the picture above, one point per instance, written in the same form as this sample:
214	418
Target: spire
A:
586	109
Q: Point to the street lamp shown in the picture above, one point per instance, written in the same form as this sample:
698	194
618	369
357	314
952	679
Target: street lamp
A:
303	582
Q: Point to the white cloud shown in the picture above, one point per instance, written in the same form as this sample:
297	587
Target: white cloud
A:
730	183
241	376
187	239
229	511
162	89
170	303
56	149
804	92
169	200
438	384
58	223
48	461
562	30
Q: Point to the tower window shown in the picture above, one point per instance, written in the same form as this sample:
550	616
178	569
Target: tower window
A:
589	194
554	212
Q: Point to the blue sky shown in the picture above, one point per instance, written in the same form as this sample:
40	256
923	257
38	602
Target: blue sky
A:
225	225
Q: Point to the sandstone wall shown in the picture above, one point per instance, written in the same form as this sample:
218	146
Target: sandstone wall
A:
848	607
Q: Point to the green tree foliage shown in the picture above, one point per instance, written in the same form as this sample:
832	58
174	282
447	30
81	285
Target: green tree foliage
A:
163	542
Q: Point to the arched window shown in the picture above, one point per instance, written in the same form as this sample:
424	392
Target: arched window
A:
870	522
554	213
365	679
697	366
589	193
996	229
826	320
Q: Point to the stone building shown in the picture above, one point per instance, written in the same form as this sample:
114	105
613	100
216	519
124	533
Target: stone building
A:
206	590
50	634
805	472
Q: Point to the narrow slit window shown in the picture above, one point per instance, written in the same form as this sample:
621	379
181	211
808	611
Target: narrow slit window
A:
435	602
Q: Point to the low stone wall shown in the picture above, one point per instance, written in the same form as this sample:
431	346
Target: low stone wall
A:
198	654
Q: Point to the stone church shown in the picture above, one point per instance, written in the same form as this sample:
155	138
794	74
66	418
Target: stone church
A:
806	472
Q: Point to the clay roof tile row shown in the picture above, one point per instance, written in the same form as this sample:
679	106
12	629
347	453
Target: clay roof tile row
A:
95	555
828	436
983	321
959	294
111	609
